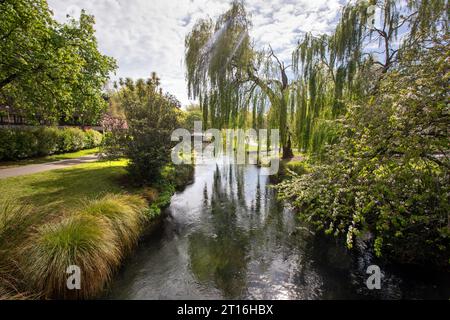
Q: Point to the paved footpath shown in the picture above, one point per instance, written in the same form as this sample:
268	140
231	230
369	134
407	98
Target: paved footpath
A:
36	168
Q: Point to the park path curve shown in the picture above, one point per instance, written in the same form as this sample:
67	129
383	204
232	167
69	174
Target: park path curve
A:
36	168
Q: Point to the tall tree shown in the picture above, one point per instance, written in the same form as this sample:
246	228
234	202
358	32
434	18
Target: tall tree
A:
349	63
50	71
226	72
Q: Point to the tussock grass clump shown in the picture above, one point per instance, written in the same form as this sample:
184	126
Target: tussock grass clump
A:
151	194
124	213
83	240
15	221
96	238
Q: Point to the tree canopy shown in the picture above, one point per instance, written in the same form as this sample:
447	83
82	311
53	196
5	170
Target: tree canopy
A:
231	78
228	75
50	72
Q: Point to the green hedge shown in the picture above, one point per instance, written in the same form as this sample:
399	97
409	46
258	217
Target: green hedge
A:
27	143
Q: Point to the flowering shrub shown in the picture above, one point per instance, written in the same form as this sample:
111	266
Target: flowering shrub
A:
387	178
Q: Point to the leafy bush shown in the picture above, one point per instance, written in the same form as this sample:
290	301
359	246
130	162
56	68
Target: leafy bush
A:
48	139
93	138
27	143
71	139
151	118
298	167
388	177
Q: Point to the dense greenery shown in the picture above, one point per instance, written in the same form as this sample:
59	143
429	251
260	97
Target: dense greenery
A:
229	75
151	117
88	215
50	72
188	118
346	66
386	177
43	141
96	238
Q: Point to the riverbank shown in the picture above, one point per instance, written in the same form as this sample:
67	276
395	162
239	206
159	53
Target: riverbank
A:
87	216
227	236
290	190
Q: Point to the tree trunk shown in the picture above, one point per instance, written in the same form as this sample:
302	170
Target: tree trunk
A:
287	149
284	130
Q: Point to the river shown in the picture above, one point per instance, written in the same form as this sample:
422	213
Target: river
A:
227	237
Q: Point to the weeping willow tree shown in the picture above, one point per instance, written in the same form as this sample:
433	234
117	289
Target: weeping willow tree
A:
233	81
348	64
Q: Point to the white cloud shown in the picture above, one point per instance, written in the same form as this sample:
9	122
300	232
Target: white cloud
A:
146	36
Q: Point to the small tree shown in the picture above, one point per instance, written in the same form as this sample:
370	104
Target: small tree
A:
151	117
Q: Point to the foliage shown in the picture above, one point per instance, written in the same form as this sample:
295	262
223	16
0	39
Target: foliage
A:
124	213
80	216
388	176
50	71
347	65
92	139
71	139
226	73
15	222
27	143
151	118
190	116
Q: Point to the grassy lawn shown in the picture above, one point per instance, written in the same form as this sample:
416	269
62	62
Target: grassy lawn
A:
87	215
56	157
66	188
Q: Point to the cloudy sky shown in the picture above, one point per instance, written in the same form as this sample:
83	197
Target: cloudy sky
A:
148	35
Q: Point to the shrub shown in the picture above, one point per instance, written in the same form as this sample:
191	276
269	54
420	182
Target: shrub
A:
298	167
178	175
387	178
96	238
151	117
27	143
71	139
86	241
47	141
150	194
7	141
93	138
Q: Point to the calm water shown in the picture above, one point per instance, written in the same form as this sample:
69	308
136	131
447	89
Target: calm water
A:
227	237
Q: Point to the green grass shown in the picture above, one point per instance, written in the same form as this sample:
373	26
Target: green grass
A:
86	215
52	158
83	240
126	216
64	189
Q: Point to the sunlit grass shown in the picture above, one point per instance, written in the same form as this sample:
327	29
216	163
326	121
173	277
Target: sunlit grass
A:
125	214
86	215
86	241
63	189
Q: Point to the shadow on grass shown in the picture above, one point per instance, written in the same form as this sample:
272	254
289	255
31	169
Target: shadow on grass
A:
65	189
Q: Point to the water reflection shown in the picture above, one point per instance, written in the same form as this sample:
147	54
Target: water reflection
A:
226	236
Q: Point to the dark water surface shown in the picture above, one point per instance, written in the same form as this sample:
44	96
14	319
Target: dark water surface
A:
227	237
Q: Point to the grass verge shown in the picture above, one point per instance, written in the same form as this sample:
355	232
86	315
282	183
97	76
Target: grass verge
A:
86	215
